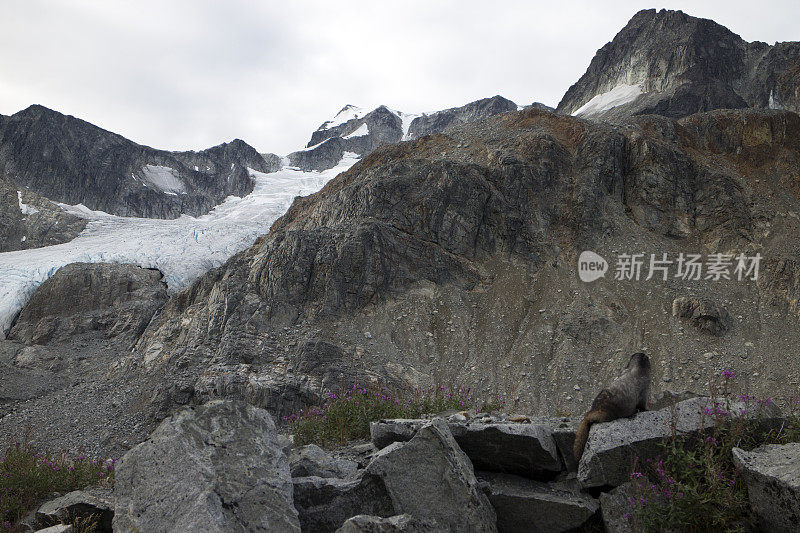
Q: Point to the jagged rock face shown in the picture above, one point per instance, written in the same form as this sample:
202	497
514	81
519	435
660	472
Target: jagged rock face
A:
683	65
451	259
438	122
71	161
30	221
81	297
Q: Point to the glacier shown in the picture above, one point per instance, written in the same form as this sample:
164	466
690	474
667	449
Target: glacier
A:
183	249
619	95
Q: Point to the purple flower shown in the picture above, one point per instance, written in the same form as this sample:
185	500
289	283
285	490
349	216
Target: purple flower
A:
728	374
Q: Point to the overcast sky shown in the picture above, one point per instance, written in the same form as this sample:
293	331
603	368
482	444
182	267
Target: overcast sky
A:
190	74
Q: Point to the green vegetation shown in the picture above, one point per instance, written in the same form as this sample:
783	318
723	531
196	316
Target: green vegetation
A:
346	416
694	485
28	477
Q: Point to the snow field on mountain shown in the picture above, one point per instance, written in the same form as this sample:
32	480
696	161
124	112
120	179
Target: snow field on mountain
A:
619	95
183	249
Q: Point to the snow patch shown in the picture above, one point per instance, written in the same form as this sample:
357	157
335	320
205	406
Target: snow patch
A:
164	178
348	112
183	248
619	95
26	209
360	132
406	119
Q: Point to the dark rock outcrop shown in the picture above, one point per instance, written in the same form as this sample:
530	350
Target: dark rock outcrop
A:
81	297
441	120
703	314
684	65
324	504
72	161
215	467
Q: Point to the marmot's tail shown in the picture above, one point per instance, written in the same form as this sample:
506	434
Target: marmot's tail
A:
582	435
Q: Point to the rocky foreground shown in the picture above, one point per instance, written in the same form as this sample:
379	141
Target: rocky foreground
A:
222	466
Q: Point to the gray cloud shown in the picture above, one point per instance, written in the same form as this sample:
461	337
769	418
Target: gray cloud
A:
190	74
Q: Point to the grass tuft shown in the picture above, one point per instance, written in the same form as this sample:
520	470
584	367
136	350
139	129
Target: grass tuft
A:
345	416
28	477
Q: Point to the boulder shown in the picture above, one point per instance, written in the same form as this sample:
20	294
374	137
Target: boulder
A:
524	505
703	314
430	478
375	524
81	297
617	510
311	460
324	504
523	449
612	446
772	475
215	467
97	501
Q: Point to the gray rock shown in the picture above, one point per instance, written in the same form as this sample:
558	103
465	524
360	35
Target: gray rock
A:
97	501
81	297
524	449
525	505
215	467
69	160
564	437
324	504
38	222
399	523
772	475
618	513
612	446
703	314
311	460
430	478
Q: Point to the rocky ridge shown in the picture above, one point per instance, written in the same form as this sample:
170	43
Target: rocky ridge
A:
71	161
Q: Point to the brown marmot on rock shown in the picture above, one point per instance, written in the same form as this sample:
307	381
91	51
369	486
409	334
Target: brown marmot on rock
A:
623	398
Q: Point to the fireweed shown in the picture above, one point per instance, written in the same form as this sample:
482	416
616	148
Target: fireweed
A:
693	484
26	477
346	415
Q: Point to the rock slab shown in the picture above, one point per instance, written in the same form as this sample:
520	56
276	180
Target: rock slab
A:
772	475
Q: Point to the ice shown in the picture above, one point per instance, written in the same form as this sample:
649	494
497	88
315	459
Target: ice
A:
183	248
164	178
25	208
360	132
621	94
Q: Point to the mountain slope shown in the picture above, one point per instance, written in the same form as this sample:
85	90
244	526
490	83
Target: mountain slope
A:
451	259
669	63
72	161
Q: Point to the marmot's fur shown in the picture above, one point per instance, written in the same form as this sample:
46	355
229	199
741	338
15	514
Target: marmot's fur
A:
624	397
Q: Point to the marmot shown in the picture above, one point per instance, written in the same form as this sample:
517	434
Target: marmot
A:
624	397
